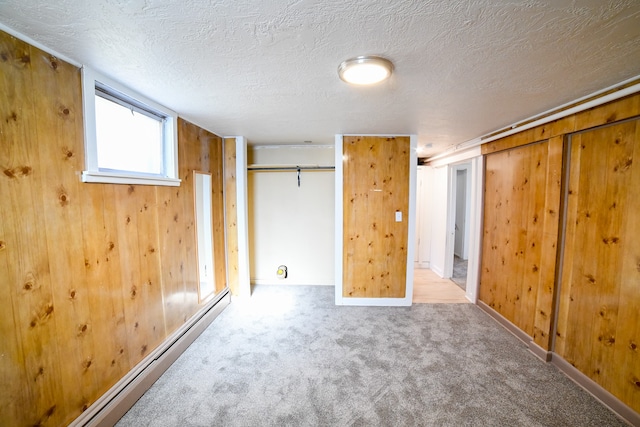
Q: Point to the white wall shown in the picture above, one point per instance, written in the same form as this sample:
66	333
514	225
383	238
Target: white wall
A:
439	234
424	209
291	225
442	215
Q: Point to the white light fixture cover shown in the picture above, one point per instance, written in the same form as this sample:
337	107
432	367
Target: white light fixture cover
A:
365	70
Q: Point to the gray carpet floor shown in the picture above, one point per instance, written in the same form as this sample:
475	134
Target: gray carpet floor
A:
289	357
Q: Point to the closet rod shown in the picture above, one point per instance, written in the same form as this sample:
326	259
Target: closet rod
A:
289	168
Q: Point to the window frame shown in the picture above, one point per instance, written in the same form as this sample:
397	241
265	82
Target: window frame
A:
92	81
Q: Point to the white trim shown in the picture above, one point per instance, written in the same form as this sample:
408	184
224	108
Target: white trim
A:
411	216
447	267
276	147
458	156
436	269
170	155
119	178
339	228
244	285
466	166
377	302
516	127
475	228
270	282
108	408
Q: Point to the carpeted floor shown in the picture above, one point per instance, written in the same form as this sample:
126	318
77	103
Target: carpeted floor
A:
289	357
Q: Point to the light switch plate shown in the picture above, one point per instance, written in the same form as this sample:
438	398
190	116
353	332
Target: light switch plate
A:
398	216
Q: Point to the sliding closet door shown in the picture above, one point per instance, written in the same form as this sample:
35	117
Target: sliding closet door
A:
599	307
514	212
376	183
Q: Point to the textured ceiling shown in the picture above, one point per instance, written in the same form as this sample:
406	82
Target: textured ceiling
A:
267	69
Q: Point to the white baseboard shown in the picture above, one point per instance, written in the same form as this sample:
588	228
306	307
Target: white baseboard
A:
439	271
112	405
286	282
423	264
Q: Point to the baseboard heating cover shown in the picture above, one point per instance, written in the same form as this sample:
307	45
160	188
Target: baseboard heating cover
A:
110	407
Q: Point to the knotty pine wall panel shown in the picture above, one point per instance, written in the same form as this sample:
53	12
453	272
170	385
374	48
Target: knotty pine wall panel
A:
376	185
61	121
172	240
217	163
107	328
203	151
231	213
194	156
93	277
598	300
598	329
28	278
516	210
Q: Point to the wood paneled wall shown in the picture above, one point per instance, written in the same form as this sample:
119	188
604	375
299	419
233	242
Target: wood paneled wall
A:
592	157
93	277
521	211
231	214
375	186
599	314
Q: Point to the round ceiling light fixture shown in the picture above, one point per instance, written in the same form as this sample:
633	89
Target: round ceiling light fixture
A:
365	70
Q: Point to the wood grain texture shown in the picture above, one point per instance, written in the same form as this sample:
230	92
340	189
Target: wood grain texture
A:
193	156
231	214
626	384
515	212
376	185
28	280
545	303
600	298
216	162
93	277
203	151
61	120
621	109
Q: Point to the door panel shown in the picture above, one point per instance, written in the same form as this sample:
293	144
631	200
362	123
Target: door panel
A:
598	328
514	212
376	174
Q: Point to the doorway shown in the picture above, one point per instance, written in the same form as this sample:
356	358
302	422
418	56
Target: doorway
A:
461	192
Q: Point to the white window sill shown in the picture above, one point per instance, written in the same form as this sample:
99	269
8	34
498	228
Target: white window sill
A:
116	178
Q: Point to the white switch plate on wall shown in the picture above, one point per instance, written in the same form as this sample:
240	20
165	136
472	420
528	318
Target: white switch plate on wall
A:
398	216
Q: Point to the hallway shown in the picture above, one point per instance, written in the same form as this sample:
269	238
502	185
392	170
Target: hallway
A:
429	288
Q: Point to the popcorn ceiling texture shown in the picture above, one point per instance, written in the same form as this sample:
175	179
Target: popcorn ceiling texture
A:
267	69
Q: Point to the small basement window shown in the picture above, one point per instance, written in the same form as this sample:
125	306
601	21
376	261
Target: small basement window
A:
128	138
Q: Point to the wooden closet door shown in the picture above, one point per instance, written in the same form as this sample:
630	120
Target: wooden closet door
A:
598	328
375	186
513	236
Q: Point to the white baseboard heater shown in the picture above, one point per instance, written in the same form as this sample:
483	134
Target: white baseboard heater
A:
111	406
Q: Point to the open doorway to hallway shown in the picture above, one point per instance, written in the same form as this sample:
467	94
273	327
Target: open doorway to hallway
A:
461	206
429	288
